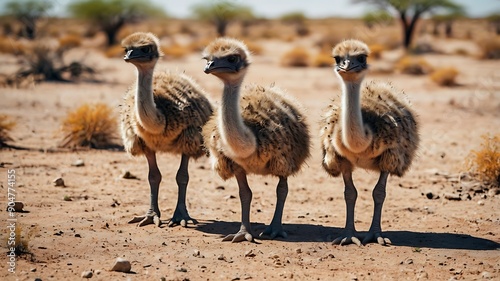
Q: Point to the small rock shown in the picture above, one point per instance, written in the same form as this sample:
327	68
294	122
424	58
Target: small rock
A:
250	254
221	257
33	270
78	163
129	176
229	197
486	275
220	187
494	191
121	265
18	207
59	182
408	261
196	253
87	274
453	197
480	203
422	275
298	250
181	269
431	195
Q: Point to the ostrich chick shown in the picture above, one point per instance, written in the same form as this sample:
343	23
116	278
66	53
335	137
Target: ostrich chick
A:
162	112
373	128
259	131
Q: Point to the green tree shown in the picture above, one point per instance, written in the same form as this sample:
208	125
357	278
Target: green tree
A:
447	19
494	21
111	15
221	13
410	11
381	17
28	12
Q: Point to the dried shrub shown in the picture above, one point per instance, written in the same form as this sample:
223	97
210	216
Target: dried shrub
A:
322	60
70	41
45	62
484	164
327	42
413	65
445	76
115	51
176	51
490	48
6	125
254	48
10	46
296	57
90	126
376	50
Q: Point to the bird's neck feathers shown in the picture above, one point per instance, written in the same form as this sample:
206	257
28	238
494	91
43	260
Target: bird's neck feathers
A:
239	140
147	113
356	135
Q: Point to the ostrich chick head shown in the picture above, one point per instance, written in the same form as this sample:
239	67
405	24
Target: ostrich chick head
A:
227	59
350	60
141	48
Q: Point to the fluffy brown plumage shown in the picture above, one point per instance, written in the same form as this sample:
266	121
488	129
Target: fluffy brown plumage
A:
259	130
162	112
372	127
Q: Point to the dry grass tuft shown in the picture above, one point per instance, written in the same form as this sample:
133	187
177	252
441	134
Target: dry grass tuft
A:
90	126
490	48
297	57
323	60
6	126
70	41
254	48
115	51
413	65
445	76
485	163
10	46
376	50
175	51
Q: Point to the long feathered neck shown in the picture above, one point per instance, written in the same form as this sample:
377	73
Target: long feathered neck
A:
239	139
355	135
148	115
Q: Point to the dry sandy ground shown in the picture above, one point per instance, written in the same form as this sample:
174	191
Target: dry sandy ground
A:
432	239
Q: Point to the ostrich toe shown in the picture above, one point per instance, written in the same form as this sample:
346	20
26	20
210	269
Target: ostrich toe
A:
149	218
273	231
242	235
347	237
373	236
181	217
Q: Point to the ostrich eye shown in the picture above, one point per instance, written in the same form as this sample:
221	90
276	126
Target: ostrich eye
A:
146	49
362	58
233	59
337	59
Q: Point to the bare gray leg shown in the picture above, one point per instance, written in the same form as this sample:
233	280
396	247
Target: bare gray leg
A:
276	228
245	232
181	216
154	178
349	235
375	232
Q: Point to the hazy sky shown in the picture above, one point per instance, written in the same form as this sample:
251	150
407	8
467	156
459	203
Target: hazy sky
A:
311	8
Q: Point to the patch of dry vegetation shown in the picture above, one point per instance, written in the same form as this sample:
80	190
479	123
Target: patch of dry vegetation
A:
490	48
6	125
484	164
70	41
296	57
322	60
413	65
11	46
376	50
90	125
445	76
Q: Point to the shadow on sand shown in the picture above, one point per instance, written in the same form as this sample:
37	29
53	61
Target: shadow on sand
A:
320	233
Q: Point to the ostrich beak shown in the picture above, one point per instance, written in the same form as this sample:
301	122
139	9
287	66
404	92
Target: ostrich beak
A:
218	65
137	54
350	65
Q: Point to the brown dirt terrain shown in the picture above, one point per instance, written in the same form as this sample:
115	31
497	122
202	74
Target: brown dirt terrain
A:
432	239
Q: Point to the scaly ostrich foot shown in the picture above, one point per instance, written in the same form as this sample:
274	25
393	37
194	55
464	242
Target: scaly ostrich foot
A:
348	236
376	236
273	231
149	218
242	235
181	217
